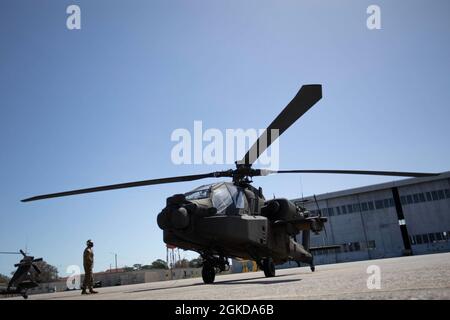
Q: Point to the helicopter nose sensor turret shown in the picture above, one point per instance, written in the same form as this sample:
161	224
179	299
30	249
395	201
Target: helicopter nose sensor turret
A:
181	213
176	215
173	218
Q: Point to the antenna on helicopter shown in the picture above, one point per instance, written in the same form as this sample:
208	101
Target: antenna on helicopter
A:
301	187
320	215
317	205
26	245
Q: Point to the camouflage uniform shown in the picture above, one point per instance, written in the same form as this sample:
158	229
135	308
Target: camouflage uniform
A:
88	263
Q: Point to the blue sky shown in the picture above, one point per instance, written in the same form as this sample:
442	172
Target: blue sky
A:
98	105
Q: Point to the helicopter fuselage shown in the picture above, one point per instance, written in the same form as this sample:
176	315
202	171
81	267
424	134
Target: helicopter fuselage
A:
226	220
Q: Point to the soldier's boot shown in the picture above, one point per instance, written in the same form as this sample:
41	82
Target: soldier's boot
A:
92	291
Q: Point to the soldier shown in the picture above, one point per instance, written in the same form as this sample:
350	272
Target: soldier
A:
88	263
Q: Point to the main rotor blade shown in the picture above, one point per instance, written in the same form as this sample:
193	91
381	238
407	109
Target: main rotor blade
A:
306	97
9	252
36	268
125	185
361	172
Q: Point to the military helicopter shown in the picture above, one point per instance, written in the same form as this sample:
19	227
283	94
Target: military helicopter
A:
233	219
22	279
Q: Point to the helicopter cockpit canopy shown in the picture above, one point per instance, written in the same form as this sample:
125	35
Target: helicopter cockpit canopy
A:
225	197
202	192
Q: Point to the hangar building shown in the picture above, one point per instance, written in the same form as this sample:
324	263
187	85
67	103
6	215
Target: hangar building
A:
410	216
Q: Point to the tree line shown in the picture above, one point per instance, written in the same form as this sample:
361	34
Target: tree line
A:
161	264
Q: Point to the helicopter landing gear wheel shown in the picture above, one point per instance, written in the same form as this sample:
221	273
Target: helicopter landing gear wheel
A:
212	264
208	273
268	267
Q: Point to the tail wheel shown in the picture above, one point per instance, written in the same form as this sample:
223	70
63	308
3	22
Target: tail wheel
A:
268	267
312	266
208	273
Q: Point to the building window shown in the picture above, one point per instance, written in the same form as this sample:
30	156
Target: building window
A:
330	212
447	193
428	196
403	200
421	197
350	208
370	204
418	239
356	207
344	210
434	195
338	210
416	197
409	199
386	203
431	237
364	206
371	244
379	204
441	194
391	202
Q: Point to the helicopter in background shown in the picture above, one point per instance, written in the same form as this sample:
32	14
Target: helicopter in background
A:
233	219
23	279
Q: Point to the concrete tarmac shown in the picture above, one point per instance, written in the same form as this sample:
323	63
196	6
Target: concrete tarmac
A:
414	277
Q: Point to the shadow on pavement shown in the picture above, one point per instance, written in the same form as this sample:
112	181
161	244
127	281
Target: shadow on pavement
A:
267	281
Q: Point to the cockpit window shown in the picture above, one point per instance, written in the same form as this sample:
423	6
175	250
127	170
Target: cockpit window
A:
237	195
221	199
225	197
201	193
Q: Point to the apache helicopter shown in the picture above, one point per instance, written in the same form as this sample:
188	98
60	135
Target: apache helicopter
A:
233	219
22	279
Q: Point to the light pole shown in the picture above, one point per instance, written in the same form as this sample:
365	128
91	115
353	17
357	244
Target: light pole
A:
115	258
